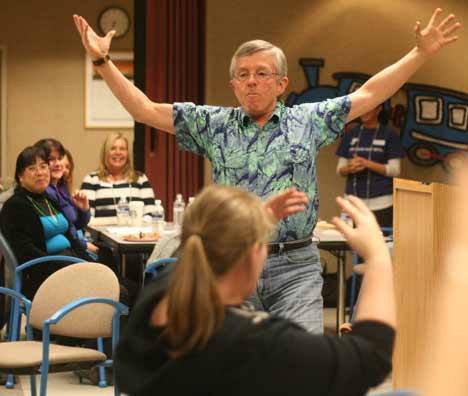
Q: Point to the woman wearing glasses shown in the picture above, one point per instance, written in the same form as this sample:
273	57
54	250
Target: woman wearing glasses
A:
33	224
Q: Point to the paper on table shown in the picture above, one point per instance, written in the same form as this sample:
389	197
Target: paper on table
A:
329	236
102	221
119	230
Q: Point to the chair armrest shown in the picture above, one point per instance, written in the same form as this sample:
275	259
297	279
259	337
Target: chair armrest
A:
27	306
39	260
16	295
30	263
121	309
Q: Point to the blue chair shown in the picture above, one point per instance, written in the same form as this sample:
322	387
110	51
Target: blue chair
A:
90	300
388	233
14	281
10	264
156	266
18	284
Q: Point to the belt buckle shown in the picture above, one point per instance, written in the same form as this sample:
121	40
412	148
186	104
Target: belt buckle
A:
281	247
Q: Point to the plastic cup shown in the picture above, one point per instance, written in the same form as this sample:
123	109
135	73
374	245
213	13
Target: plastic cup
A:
136	213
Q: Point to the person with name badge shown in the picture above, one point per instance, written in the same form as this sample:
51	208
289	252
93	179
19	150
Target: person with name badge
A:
369	156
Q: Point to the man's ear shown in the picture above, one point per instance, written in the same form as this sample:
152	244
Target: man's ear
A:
282	85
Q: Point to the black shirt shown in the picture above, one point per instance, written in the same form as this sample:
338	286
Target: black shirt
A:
252	354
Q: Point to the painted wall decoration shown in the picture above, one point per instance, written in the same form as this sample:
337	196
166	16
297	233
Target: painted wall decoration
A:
433	124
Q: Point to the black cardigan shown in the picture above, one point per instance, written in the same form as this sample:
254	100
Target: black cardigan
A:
22	227
251	355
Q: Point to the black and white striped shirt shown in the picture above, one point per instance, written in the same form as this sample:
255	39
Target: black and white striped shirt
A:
104	196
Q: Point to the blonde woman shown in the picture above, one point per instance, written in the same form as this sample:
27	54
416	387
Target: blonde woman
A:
115	179
191	335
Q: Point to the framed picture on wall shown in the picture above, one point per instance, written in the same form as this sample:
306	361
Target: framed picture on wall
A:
102	109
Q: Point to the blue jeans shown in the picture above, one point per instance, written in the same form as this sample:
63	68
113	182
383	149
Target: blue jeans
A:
290	286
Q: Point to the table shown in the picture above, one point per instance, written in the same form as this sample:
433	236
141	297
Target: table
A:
333	242
112	235
326	239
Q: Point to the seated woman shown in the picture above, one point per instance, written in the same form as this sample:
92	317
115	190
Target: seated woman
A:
192	336
75	208
33	223
116	179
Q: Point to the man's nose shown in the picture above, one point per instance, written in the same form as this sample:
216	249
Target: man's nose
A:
252	80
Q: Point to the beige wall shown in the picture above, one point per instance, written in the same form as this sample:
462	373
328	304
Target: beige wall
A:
45	76
351	35
45	62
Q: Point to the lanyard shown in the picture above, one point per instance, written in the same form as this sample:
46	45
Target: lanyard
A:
52	211
369	158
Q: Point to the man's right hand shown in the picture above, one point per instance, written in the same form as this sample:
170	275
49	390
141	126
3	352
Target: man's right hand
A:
97	47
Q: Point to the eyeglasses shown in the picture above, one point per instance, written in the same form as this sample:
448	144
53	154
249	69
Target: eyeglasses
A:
260	76
37	168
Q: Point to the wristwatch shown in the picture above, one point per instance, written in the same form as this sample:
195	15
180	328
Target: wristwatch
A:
101	61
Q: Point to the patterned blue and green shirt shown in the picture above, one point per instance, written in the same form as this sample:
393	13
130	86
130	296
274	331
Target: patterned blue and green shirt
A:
265	160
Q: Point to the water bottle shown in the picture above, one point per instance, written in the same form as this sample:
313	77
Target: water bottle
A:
123	211
158	216
179	206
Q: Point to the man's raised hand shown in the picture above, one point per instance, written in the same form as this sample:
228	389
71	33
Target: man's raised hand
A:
436	35
96	46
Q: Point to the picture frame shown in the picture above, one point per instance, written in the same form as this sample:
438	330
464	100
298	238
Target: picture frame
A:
102	109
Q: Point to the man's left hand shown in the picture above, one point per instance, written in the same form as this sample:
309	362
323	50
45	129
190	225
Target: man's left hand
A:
286	203
436	35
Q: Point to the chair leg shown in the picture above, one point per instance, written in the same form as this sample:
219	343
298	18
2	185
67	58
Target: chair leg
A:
33	385
14	327
44	375
7	335
102	370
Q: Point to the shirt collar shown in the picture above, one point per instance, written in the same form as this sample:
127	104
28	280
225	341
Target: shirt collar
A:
275	116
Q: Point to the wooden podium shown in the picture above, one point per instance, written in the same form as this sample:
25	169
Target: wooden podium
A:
421	224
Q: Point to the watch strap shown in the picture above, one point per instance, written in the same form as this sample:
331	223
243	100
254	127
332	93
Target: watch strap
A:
101	61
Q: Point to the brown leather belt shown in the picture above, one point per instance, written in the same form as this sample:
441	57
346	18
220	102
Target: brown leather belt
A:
280	247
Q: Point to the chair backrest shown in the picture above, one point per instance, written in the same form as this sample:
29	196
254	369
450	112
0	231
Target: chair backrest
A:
9	259
69	284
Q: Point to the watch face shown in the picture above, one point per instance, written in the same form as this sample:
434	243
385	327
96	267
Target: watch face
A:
114	18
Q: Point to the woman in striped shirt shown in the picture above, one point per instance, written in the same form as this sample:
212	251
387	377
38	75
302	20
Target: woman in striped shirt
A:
115	179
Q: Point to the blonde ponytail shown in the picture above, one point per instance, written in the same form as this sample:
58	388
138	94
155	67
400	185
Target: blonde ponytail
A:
219	228
195	310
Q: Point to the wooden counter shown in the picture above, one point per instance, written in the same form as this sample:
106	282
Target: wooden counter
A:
421	222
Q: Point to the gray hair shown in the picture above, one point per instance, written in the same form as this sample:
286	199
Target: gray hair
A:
254	46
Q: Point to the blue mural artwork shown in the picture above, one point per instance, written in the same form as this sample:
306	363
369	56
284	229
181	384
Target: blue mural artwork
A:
433	126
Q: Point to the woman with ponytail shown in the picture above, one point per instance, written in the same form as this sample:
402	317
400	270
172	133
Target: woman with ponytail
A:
190	333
